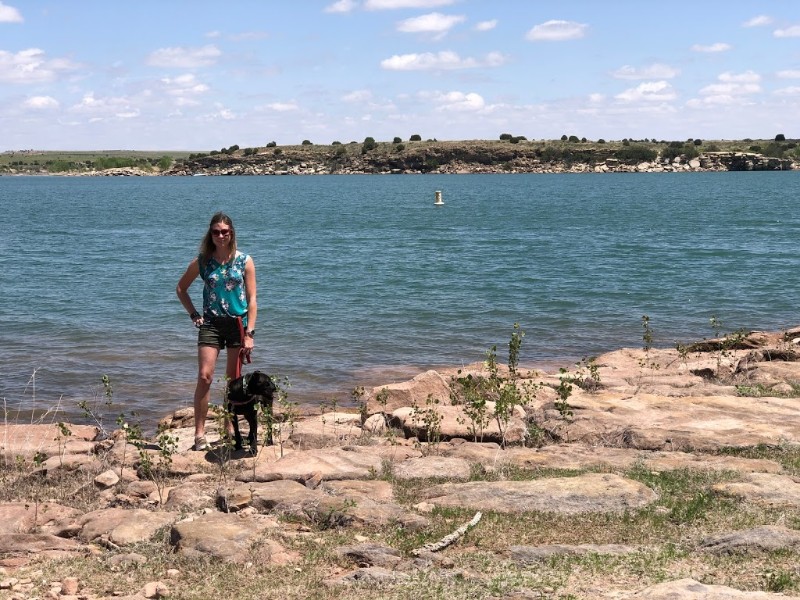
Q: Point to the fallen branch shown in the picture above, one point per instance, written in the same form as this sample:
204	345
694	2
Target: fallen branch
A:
448	539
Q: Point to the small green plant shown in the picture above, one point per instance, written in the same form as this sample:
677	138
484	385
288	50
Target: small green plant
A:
778	580
647	344
564	391
431	420
359	396
471	393
94	411
290	412
155	466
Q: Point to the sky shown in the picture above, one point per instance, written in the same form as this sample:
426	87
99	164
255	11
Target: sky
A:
204	75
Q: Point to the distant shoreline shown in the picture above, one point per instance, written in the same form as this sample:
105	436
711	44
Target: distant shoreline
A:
512	155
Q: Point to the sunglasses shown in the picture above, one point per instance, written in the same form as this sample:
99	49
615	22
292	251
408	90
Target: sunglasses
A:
220	232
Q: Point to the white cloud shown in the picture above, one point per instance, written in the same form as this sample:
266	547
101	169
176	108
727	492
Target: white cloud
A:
789	32
653	91
9	14
445	60
358	96
788	91
486	25
654	71
758	21
395	4
31	66
184	58
746	77
282	106
459	101
791	74
342	6
596	98
430	23
733	88
557	31
41	103
184	89
99	109
718	47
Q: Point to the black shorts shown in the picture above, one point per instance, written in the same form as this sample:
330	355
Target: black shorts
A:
220	332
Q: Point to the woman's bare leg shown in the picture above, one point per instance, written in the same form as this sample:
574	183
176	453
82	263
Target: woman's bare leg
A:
206	361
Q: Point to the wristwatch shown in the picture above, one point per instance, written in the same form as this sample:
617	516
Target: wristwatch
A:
250	333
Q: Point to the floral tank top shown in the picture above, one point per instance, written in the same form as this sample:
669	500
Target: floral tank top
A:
223	292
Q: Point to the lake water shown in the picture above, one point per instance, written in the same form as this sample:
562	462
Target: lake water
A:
363	281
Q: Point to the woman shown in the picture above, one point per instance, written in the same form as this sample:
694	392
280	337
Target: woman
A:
229	293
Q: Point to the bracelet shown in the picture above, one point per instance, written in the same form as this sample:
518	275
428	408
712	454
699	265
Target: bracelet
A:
194	315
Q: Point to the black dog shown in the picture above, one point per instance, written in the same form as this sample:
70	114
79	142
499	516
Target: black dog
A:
244	395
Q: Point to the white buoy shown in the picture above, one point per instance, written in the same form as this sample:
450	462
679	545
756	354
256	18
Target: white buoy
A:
438	196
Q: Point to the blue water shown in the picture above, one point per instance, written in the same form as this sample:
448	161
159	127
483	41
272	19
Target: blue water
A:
363	281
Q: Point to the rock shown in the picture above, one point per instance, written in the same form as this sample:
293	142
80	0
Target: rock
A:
122	527
433	466
376	424
226	537
531	554
331	463
567	495
453	422
189	497
690	589
69	586
25	441
768	538
370	575
155	589
370	555
107	479
407	393
35	543
24	517
331	428
764	488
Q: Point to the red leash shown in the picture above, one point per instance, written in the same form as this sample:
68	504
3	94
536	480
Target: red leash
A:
244	353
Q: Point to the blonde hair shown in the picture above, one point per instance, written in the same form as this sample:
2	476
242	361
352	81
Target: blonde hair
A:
207	246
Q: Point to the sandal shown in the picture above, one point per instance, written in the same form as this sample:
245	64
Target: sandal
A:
200	444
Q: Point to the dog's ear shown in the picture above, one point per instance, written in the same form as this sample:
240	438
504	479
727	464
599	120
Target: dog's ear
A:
235	388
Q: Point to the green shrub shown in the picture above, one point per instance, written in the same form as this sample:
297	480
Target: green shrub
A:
505	136
396	140
415	138
636	154
306	143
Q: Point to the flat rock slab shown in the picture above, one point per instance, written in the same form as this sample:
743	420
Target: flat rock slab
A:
342	507
764	488
581	457
531	554
123	527
427	467
28	440
453	422
768	538
349	462
26	543
660	422
694	590
588	493
24	517
228	537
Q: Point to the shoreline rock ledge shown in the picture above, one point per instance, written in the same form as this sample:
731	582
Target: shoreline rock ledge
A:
595	453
